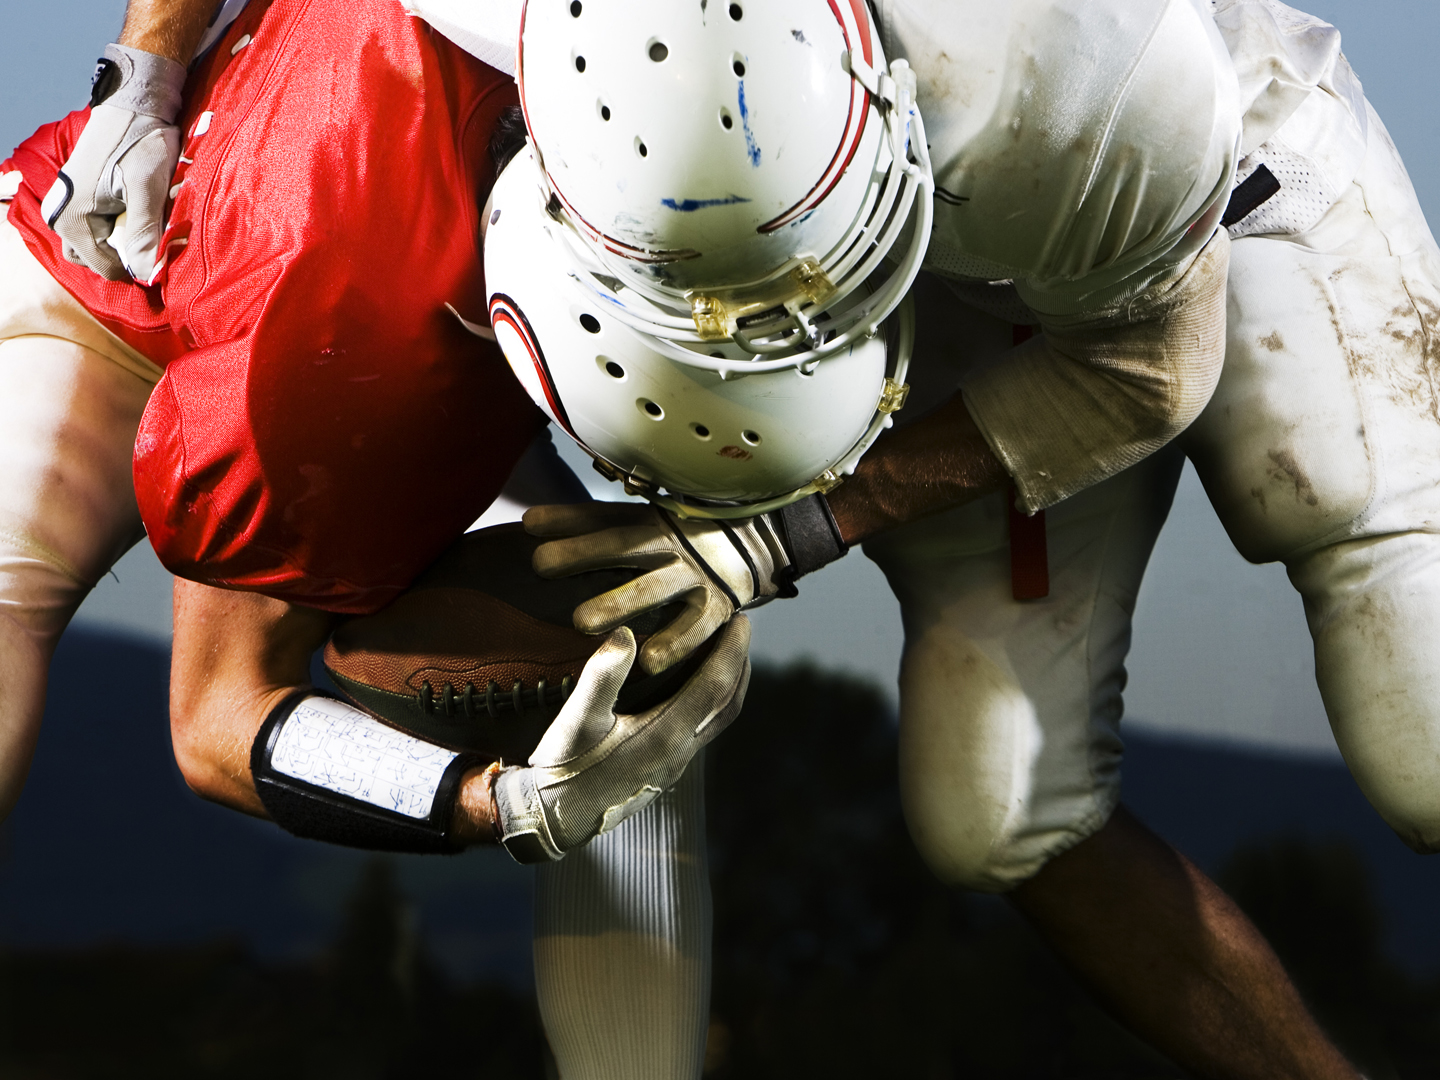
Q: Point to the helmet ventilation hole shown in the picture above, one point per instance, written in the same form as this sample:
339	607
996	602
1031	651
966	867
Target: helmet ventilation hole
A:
575	9
726	121
751	437
641	148
737	65
650	409
579	63
700	430
614	370
590	323
735	11
659	51
604	110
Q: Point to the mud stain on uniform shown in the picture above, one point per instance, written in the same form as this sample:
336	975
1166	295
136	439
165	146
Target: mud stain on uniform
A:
1288	471
1273	341
1422	341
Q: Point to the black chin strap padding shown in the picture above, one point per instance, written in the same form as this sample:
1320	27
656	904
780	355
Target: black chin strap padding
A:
1259	188
811	535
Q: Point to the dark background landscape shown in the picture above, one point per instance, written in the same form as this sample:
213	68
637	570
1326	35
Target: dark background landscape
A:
145	933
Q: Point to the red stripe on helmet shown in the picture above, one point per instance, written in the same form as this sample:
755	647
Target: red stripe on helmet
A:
850	140
505	310
862	21
844	154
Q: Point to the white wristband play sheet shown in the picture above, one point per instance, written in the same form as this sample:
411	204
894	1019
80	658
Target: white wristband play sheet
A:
333	746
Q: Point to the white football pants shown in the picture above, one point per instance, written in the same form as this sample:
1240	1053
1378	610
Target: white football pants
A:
70	402
1320	448
622	964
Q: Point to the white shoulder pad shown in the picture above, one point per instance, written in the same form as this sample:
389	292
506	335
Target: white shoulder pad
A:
488	30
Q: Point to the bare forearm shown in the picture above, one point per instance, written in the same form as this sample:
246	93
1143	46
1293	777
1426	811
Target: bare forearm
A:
168	28
236	657
936	463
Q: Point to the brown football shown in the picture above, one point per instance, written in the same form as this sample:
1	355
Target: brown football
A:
480	652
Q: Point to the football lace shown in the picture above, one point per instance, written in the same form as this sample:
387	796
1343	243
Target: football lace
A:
471	702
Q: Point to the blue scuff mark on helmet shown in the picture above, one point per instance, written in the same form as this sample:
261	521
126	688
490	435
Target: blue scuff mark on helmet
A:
687	205
752	148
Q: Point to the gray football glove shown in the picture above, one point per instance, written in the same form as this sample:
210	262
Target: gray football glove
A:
715	567
122	164
594	767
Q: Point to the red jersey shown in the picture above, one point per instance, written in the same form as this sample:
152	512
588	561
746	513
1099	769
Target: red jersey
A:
325	426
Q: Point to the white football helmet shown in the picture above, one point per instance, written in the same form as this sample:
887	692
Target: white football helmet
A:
736	173
681	434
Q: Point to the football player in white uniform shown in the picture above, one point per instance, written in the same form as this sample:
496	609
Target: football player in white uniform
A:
1097	169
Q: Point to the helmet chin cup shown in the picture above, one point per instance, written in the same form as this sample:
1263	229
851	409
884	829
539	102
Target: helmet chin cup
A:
679	433
756	177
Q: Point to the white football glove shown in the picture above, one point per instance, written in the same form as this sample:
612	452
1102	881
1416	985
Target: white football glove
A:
594	767
122	164
715	567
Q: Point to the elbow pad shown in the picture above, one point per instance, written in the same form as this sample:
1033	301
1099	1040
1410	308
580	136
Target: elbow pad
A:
1091	398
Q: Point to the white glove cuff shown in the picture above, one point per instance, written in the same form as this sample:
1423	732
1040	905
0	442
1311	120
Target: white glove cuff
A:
523	828
139	81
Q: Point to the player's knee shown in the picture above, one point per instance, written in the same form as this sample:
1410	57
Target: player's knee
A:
971	847
1413	812
1423	838
984	814
980	859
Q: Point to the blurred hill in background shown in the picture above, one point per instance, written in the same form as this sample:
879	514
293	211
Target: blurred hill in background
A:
145	933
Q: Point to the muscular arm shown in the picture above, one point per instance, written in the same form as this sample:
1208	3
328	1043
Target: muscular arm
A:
168	28
935	463
236	656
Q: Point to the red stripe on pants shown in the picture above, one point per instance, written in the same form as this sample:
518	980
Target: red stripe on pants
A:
1029	559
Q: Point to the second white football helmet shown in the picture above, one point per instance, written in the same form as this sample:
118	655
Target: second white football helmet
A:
684	437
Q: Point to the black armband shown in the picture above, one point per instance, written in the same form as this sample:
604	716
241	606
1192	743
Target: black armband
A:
327	771
812	538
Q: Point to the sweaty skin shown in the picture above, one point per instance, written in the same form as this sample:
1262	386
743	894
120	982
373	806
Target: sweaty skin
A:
168	28
236	656
937	462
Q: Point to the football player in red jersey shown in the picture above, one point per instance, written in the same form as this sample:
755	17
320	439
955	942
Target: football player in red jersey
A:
242	311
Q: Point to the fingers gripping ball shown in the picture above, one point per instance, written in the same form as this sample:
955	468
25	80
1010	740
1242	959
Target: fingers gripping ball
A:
480	653
710	569
704	570
597	766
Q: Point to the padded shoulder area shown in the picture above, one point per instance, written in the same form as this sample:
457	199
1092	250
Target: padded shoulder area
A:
1074	141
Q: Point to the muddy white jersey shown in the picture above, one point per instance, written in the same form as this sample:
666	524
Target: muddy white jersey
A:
1075	142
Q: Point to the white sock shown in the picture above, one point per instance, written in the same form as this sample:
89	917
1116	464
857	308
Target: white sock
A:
622	945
